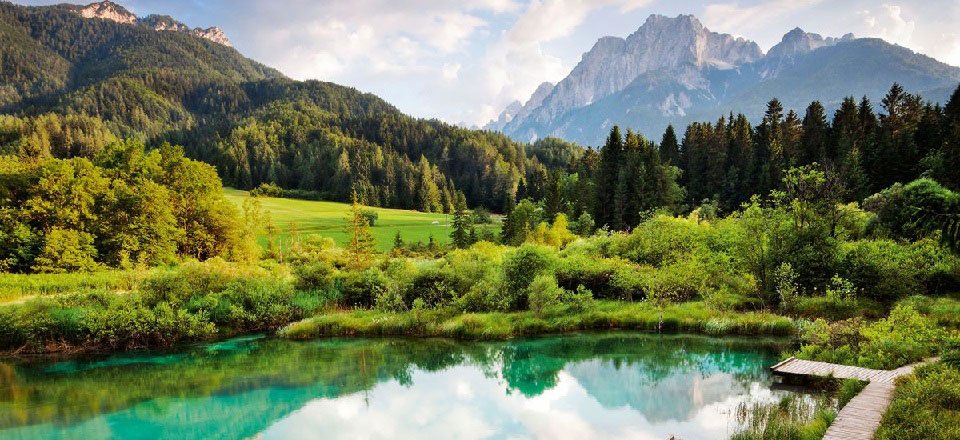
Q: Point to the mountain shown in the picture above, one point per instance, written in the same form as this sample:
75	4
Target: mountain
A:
108	10
72	77
674	70
521	110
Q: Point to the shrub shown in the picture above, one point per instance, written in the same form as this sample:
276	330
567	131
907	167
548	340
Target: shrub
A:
267	189
360	289
543	294
883	269
314	276
520	267
434	287
371	216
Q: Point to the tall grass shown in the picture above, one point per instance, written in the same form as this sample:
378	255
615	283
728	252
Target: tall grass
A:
16	287
691	317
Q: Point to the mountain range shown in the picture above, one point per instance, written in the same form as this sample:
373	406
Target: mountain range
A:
69	72
676	71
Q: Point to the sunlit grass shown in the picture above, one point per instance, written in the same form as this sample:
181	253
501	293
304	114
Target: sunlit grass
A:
692	317
329	219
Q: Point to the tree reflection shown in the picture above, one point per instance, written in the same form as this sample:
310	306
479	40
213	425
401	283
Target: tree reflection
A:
255	381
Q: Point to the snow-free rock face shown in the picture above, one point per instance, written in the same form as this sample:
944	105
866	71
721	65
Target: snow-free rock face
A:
214	34
674	70
107	10
662	44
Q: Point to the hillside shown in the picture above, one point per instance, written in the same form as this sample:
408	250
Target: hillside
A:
248	120
676	71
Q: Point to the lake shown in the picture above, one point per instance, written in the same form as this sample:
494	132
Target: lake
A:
606	385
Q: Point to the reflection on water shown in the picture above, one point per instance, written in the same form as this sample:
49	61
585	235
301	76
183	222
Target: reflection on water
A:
624	385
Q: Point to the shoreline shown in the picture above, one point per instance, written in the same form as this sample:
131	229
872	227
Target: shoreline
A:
693	318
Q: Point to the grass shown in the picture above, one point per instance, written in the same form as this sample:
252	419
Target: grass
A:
20	287
691	317
926	405
329	219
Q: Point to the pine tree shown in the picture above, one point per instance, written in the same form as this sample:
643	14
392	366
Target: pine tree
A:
813	141
362	243
951	142
461	222
844	131
768	159
669	147
611	156
397	241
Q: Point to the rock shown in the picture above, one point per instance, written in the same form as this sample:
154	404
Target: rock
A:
107	10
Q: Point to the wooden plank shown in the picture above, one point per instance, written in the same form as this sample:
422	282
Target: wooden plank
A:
861	417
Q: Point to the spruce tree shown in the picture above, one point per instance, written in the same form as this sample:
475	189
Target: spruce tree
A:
397	241
461	222
611	156
951	142
813	141
669	147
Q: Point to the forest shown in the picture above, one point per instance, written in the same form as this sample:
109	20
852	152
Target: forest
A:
841	231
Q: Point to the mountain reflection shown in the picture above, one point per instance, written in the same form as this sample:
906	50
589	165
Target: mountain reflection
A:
249	386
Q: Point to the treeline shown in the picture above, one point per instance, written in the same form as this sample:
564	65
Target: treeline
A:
728	161
122	207
715	168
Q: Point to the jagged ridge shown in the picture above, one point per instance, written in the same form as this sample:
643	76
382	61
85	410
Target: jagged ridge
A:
108	10
674	70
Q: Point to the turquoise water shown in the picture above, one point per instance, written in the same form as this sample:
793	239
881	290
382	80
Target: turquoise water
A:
611	385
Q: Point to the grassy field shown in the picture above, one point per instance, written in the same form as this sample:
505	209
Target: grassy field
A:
329	219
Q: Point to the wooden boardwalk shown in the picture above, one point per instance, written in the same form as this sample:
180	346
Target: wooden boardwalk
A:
860	418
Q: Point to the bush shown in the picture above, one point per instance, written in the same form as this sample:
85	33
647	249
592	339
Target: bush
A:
267	189
371	216
314	276
543	294
884	270
433	286
360	289
520	267
904	337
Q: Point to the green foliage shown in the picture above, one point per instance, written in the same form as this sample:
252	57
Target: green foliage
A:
543	294
127	207
362	243
925	404
66	250
520	267
905	336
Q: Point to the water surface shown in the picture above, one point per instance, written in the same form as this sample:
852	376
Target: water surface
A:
610	385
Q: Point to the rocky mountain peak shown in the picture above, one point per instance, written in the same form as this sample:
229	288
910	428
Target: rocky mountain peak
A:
518	109
214	34
671	45
797	41
108	10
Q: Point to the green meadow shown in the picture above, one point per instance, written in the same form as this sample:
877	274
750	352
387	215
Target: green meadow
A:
329	219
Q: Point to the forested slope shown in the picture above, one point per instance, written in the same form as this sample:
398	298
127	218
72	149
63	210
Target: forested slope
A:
248	120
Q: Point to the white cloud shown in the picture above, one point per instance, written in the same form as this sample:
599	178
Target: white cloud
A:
496	6
888	23
450	71
733	18
546	20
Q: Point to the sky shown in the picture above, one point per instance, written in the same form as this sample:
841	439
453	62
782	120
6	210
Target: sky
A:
464	61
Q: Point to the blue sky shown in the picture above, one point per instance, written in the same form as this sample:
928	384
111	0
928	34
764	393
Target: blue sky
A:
463	61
